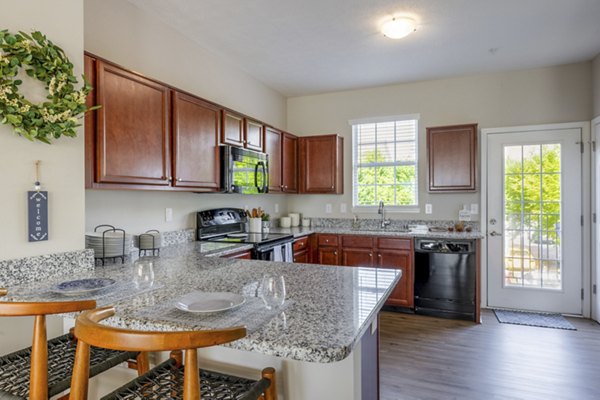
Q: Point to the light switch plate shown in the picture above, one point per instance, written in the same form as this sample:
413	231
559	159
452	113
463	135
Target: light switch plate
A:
428	208
328	208
168	214
276	208
474	208
343	208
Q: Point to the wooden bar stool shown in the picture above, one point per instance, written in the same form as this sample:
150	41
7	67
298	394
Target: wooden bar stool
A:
169	380
45	368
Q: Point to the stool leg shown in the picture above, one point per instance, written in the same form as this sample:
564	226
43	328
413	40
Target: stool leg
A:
143	365
81	372
271	392
191	377
38	386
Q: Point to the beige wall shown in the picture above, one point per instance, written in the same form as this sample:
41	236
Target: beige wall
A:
596	85
537	96
61	162
120	32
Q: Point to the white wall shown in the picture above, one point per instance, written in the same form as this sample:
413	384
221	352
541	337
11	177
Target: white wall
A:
596	85
122	33
61	162
537	96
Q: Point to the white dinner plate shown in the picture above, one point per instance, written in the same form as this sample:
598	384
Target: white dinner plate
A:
207	302
82	286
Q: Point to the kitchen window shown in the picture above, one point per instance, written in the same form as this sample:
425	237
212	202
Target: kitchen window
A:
384	163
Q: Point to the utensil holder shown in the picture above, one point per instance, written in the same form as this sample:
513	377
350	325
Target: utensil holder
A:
254	225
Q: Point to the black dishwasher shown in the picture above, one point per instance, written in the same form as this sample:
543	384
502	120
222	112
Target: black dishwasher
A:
445	273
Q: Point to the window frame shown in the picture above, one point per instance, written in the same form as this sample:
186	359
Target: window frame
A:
412	208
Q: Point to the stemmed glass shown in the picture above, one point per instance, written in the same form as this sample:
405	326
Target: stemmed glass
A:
273	291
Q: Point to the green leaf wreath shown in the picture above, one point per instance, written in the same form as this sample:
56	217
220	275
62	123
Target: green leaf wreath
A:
48	63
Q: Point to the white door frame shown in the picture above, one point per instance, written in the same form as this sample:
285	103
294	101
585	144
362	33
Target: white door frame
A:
595	227
585	206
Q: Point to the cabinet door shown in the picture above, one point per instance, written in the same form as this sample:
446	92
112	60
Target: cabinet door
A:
290	163
232	129
273	147
402	295
452	154
357	257
90	121
328	256
196	156
321	164
253	133
132	138
301	257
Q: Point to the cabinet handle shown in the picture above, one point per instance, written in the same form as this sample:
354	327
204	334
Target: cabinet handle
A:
326	240
332	188
335	253
179	179
170	178
379	255
370	254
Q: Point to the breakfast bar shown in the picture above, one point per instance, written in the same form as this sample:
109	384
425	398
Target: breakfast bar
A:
322	339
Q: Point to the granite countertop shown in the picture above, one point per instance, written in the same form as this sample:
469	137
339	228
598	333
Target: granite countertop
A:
326	312
303	231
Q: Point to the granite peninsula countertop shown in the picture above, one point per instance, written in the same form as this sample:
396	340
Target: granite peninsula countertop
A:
303	231
327	309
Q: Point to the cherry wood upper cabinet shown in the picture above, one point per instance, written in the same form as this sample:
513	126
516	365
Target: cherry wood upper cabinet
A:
232	131
321	164
196	127
242	132
253	135
132	136
289	163
452	152
90	121
273	147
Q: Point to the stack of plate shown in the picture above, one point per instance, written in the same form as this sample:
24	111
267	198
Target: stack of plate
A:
109	246
148	241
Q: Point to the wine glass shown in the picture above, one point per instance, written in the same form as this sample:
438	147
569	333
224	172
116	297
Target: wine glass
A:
273	291
143	273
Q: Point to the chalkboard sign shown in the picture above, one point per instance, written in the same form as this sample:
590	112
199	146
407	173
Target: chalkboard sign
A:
38	215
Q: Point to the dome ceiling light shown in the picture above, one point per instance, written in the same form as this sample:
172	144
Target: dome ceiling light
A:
397	28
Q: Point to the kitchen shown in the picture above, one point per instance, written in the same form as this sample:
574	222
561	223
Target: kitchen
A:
141	41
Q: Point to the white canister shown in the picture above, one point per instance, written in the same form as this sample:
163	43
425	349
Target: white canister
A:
306	222
285	222
295	219
254	225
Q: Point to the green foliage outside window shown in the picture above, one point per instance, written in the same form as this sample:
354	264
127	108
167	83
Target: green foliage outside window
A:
532	193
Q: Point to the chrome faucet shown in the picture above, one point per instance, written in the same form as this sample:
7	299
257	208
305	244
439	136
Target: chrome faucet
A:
384	222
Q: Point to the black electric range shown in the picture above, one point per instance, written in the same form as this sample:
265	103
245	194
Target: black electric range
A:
229	225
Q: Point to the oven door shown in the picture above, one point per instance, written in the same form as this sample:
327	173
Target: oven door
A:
244	171
279	252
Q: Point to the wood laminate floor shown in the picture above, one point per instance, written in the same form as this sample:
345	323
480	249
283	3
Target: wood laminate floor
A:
429	358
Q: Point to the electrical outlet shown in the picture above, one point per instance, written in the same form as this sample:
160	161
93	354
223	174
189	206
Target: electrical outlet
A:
343	208
276	208
428	209
474	208
168	214
328	208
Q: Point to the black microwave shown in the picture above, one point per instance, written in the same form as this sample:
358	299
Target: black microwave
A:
244	171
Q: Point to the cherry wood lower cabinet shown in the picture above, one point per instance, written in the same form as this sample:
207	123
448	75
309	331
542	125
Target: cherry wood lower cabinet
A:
373	251
327	249
302	250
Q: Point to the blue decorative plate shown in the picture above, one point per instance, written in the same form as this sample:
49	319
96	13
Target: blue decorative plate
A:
82	286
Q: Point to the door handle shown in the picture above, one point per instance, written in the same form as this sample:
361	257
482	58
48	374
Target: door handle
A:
494	233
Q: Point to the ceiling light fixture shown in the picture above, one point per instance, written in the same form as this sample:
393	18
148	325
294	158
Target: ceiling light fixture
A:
397	28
